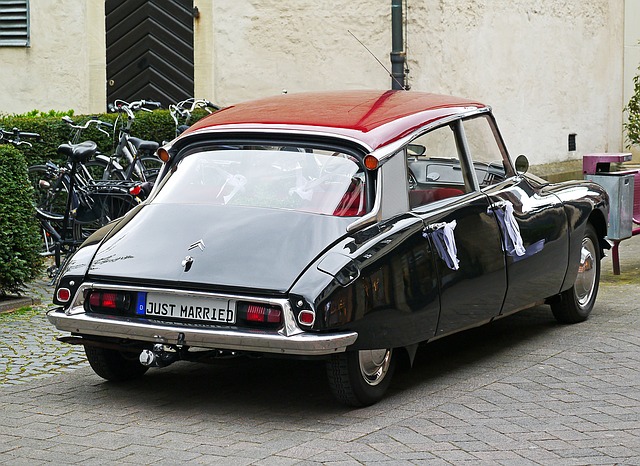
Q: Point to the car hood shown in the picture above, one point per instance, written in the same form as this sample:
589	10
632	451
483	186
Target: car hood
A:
228	247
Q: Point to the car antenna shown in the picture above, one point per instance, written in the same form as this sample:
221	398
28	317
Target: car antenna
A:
381	64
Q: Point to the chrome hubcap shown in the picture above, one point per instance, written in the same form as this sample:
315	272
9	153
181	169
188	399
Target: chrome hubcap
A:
374	364
586	279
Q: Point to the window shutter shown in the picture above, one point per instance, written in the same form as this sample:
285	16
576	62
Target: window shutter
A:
14	23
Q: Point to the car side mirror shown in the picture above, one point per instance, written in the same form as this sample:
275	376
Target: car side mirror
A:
522	164
416	149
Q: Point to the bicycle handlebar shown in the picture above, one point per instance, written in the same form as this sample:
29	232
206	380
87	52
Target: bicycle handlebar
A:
13	137
93	120
122	106
185	108
189	105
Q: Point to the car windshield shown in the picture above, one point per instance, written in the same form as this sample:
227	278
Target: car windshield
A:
306	180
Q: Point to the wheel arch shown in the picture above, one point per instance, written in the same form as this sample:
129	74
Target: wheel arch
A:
600	225
580	215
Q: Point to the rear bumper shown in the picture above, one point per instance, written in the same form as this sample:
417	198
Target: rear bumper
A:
302	343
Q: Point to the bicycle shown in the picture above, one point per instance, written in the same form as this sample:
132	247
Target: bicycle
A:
99	166
137	155
70	205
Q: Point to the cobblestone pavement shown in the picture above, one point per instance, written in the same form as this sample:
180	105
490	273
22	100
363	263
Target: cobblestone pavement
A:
523	390
29	348
28	345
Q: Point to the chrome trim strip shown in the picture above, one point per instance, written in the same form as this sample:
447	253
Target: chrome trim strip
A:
275	130
288	340
240	340
374	215
385	152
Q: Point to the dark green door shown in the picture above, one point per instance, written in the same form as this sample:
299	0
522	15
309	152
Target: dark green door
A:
149	50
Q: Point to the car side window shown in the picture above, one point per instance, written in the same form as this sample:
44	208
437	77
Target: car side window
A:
485	151
433	167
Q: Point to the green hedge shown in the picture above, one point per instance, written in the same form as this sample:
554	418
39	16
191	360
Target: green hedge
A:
154	126
19	232
632	125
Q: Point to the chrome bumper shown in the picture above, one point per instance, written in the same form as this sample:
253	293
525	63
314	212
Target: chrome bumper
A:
303	343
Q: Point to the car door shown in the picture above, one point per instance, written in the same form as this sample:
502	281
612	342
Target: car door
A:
532	222
454	212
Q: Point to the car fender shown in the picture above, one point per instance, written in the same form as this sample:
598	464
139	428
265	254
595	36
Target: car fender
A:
364	284
583	203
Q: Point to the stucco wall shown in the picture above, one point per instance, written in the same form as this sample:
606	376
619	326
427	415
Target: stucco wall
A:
548	67
64	68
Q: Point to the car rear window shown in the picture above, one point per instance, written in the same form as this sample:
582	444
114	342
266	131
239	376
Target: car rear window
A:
306	180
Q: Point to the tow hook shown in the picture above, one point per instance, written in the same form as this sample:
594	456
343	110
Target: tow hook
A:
158	356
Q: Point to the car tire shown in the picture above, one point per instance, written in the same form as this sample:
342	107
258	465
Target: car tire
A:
113	365
361	378
575	304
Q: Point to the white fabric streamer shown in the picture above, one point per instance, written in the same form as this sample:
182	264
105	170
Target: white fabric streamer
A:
513	230
445	244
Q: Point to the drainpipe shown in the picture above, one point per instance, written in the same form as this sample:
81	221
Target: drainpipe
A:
397	48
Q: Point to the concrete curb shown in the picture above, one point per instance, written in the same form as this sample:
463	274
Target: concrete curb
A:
12	303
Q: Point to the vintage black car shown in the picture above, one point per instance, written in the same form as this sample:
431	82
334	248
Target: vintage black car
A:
348	226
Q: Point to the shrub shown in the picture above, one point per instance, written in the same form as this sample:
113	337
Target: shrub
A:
20	261
632	126
19	232
154	126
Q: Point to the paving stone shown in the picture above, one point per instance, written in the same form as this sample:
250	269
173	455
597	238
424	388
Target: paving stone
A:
521	391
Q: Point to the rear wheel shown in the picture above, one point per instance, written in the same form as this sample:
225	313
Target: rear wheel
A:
50	194
113	365
575	304
151	166
100	169
50	191
361	378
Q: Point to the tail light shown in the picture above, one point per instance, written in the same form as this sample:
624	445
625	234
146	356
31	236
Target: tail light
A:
306	317
111	302
63	294
259	314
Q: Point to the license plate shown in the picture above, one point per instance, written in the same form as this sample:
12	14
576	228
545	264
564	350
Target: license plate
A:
217	310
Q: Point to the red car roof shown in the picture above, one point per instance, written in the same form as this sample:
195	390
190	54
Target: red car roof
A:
373	118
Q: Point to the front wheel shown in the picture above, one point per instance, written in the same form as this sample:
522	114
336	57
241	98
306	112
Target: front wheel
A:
361	378
575	304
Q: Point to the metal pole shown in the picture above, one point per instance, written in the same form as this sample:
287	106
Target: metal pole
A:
397	46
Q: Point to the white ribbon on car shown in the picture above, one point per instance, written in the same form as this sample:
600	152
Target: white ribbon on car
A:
511	238
443	239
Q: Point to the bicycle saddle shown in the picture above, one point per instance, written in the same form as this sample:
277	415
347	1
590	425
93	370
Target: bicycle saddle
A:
144	146
81	152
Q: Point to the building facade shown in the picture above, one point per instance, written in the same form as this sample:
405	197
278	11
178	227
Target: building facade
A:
549	68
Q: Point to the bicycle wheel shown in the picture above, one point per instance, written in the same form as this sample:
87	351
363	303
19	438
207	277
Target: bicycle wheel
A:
101	204
49	198
103	170
50	189
151	166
